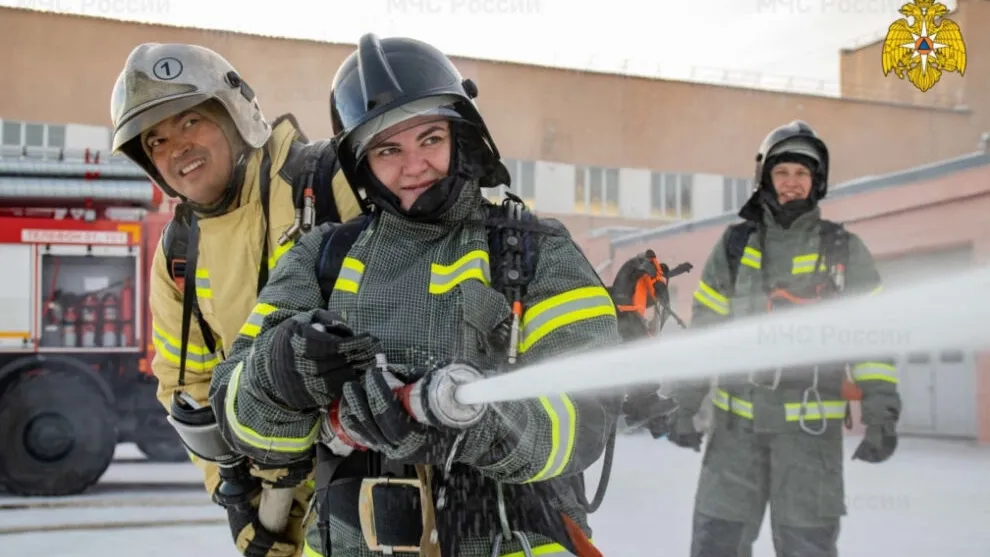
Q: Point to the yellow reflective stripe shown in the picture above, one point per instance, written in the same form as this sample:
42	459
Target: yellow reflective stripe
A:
545	550
738	406
254	439
874	371
711	299
308	551
278	253
474	265
252	326
203	284
834	410
752	257
561	310
563	420
349	277
803	264
876	290
198	358
191	348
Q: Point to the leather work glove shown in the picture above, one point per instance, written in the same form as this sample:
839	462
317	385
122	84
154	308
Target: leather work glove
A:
321	348
646	407
681	432
251	538
878	444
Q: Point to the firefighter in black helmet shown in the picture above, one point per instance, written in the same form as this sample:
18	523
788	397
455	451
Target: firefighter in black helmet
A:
436	274
777	434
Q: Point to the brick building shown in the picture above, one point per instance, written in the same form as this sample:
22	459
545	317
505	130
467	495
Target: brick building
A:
626	162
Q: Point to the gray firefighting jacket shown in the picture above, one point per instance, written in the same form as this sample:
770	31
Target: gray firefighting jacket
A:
790	256
423	290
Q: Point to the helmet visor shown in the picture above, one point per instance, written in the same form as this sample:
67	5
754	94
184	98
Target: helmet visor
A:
135	125
389	123
796	146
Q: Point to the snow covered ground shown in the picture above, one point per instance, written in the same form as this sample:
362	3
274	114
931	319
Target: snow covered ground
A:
931	499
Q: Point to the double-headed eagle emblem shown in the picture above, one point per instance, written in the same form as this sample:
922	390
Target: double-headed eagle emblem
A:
926	47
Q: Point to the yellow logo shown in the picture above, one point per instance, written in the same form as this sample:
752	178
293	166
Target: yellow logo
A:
922	50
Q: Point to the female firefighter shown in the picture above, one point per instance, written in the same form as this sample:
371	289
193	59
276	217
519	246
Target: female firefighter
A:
365	326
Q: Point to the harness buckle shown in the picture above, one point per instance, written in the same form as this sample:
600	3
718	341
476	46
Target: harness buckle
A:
366	512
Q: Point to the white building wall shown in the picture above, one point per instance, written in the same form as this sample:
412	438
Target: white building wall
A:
634	193
554	191
707	196
79	136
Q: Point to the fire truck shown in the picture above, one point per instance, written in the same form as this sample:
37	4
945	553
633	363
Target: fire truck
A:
77	235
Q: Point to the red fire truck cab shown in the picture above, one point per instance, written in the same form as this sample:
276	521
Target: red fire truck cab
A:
76	243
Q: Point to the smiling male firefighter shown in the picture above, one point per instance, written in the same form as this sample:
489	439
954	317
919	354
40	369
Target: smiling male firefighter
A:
248	187
777	434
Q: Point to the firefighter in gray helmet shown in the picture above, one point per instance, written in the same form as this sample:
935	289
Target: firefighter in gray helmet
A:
367	327
776	435
191	121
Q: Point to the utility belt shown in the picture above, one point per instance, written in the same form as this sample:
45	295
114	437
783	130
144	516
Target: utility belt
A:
394	506
761	406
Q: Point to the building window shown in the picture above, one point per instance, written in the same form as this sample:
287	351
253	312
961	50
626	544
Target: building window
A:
612	192
596	190
684	203
580	189
12	133
735	192
27	134
671	195
56	136
34	135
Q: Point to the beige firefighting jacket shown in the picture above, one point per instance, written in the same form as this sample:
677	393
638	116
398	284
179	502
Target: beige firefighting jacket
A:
226	279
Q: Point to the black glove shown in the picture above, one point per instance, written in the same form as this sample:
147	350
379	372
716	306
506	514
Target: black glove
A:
372	416
252	539
647	408
681	432
878	444
325	348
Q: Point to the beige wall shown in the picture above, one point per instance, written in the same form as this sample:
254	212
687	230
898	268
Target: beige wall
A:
60	68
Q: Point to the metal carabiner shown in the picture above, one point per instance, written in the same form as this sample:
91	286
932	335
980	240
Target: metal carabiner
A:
527	549
821	408
776	380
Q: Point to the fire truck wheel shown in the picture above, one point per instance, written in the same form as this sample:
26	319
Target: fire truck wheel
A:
166	448
57	432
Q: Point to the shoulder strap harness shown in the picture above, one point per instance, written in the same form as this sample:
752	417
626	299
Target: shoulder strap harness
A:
833	252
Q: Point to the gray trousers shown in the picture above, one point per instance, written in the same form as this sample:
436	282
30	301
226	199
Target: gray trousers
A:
798	474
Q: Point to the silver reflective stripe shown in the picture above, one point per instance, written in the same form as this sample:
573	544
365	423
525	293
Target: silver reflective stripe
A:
254	439
191	356
834	410
533	326
473	265
560	410
752	258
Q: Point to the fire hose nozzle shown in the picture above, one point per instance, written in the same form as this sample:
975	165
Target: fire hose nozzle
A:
440	396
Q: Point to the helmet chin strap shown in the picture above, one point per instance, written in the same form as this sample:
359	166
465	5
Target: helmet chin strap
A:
230	193
786	214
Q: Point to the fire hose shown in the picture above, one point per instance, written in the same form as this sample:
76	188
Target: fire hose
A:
198	429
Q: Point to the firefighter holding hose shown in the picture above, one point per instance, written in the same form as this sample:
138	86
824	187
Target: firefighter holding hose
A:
777	434
247	187
366	329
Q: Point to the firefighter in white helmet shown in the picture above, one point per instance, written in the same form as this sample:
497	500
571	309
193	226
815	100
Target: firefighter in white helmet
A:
247	189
